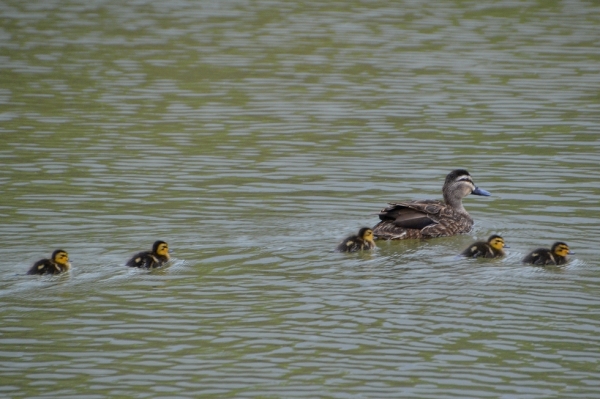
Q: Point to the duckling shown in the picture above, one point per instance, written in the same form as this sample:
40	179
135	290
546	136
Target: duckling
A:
58	263
430	218
362	241
557	255
151	259
492	248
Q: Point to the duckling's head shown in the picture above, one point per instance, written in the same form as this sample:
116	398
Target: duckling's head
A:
161	248
459	184
366	234
497	242
61	257
560	249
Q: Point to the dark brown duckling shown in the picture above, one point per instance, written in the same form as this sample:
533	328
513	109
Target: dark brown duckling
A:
557	255
430	218
492	248
151	259
58	263
362	241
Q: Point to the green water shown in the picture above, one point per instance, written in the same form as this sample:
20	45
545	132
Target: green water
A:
253	137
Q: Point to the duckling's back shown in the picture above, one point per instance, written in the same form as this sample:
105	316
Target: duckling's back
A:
352	244
145	260
479	250
541	257
45	266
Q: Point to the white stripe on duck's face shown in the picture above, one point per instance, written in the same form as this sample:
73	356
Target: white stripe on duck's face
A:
465	178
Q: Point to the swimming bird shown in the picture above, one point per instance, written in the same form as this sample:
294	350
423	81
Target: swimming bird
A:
557	255
362	241
58	263
151	259
492	248
430	218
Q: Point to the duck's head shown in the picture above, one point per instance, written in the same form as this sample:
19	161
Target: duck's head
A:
497	242
366	234
459	184
61	257
161	248
560	249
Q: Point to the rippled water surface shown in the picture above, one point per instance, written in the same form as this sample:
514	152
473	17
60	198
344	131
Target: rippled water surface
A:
253	136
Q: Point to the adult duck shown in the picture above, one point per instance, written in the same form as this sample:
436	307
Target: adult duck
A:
430	218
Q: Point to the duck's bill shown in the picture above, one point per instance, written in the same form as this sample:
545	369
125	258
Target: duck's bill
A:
480	191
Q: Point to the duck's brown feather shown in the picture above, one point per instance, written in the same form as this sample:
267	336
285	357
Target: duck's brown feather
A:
421	219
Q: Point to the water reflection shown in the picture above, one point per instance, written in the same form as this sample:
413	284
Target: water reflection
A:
253	137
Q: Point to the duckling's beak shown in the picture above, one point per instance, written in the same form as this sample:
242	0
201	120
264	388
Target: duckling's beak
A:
480	191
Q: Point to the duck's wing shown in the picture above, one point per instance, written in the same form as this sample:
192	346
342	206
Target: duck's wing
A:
142	259
475	250
412	214
349	244
43	266
540	257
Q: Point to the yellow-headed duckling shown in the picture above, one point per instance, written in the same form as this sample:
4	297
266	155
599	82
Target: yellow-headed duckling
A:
557	255
430	218
492	248
151	259
362	241
58	263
